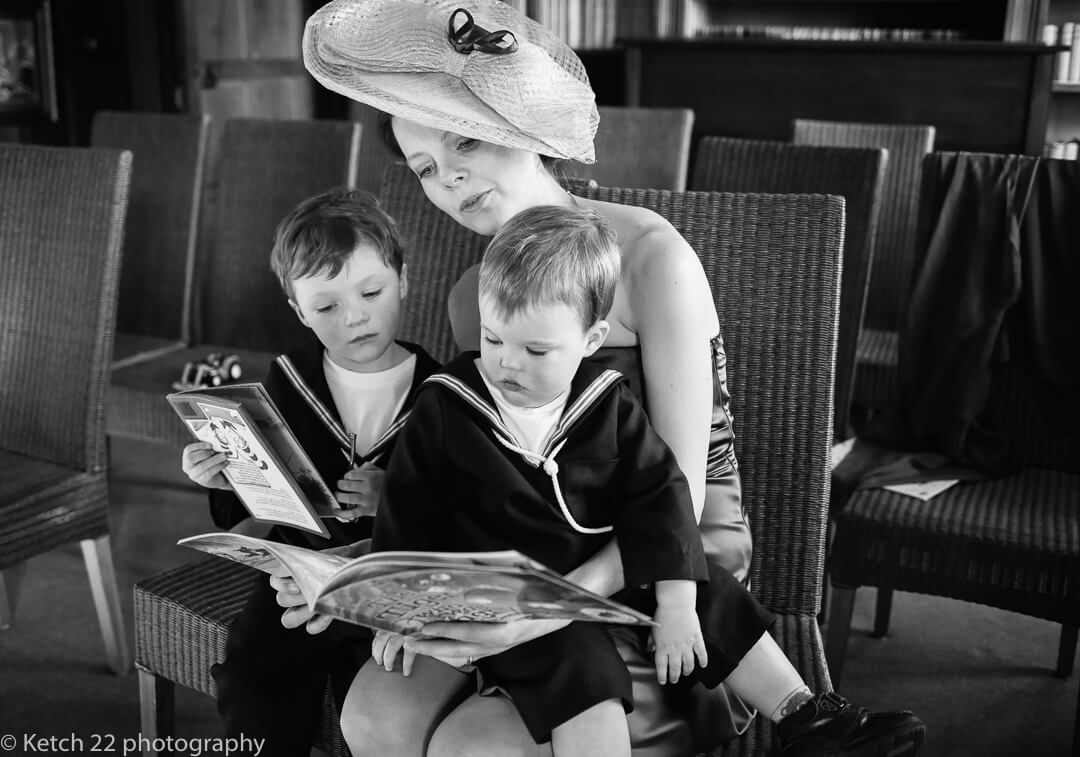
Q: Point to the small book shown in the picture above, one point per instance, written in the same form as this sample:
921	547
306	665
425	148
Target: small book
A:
269	471
403	591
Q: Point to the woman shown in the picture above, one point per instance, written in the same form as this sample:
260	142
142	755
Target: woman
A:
479	116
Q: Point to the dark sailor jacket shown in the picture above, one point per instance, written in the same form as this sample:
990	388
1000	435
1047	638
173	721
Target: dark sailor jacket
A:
297	384
459	482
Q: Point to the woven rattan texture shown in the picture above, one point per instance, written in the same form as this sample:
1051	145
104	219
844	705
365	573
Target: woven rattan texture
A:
46	505
907	144
163	212
61	227
438	251
182	618
1012	543
266	167
856	174
640	147
773	262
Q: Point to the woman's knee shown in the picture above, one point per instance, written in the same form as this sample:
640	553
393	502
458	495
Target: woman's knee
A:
484	727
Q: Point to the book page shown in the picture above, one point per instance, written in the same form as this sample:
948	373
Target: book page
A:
403	598
266	491
309	568
265	414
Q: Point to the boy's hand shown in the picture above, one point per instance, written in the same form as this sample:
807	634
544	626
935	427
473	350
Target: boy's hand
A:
204	466
385	648
359	492
297	612
678	640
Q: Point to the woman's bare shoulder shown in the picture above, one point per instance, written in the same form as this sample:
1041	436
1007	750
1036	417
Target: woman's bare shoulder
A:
641	231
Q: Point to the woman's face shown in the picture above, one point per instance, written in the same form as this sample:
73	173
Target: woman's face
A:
478	184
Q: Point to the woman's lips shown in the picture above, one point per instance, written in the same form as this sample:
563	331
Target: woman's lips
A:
473	203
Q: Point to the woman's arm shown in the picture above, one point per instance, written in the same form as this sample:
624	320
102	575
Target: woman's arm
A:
672	311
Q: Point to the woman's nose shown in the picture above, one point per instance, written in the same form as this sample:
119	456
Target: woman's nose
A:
452	176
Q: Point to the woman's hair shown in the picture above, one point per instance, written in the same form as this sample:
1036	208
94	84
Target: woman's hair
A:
386	134
552	254
320	234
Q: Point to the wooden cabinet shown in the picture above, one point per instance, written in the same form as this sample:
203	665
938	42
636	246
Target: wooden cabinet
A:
981	96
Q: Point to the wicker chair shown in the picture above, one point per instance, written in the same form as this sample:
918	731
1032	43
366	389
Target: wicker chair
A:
1011	542
61	229
890	280
746	165
266	167
640	147
182	616
774	264
374	156
154	302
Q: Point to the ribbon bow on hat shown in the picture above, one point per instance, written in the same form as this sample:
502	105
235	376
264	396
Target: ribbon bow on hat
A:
413	60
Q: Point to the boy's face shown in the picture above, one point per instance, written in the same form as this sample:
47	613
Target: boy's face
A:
356	313
532	357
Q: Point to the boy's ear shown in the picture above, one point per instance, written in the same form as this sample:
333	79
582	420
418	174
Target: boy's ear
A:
299	313
403	281
595	336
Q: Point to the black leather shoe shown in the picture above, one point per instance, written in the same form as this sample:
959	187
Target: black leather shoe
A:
828	726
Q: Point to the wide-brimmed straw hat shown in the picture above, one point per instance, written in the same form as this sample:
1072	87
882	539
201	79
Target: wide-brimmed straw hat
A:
473	67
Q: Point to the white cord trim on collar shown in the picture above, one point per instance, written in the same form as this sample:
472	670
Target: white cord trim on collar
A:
552	469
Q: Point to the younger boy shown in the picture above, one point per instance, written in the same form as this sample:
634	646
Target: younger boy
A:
339	261
529	447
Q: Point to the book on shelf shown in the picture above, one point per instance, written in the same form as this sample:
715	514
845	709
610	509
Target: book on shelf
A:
272	475
403	591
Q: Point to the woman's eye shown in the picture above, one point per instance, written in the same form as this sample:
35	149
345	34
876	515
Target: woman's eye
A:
424	171
372	294
465	143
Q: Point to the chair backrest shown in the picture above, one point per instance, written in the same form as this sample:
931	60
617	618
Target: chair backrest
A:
890	280
773	263
266	167
746	165
163	214
374	155
438	250
61	229
640	147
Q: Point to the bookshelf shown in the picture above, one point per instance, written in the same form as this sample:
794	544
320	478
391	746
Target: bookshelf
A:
1064	118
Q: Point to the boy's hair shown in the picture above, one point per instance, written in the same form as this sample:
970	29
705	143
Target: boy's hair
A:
318	235
551	254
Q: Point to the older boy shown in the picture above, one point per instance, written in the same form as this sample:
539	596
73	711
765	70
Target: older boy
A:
339	261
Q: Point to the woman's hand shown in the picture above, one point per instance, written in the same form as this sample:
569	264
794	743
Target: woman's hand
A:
297	612
358	493
459	644
204	466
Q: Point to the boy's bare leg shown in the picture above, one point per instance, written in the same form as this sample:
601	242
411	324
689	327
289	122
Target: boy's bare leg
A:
600	730
767	681
387	713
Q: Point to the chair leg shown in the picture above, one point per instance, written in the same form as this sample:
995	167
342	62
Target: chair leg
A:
99	566
837	630
1066	651
882	612
157	709
10	579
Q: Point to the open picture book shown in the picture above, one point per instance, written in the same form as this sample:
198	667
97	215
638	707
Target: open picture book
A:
402	591
269	471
